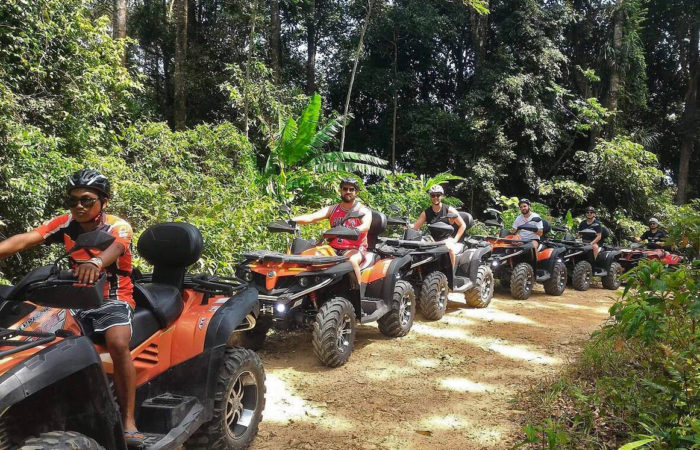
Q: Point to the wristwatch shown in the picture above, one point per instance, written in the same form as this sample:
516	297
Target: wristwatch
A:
96	261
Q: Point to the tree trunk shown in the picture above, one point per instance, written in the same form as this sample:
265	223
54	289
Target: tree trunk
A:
358	52
311	48
393	119
119	24
479	27
180	113
275	32
615	65
689	121
251	42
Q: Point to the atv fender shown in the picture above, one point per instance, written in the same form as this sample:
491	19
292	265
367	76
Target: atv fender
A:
607	257
229	316
54	365
477	258
385	289
548	264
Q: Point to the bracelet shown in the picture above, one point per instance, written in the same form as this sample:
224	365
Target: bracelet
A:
96	261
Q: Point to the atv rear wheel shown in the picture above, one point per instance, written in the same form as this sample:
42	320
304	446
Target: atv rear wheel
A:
521	281
433	295
612	279
481	295
60	440
557	283
254	338
333	336
398	321
583	272
239	399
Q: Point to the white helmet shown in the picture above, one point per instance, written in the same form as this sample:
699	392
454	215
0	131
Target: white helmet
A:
654	220
436	189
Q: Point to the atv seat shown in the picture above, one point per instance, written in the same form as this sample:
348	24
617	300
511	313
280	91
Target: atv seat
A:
377	227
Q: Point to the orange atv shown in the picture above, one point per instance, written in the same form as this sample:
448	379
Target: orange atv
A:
311	287
519	263
195	387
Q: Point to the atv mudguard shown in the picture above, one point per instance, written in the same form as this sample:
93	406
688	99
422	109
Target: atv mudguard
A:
74	365
230	315
548	264
476	258
385	289
606	258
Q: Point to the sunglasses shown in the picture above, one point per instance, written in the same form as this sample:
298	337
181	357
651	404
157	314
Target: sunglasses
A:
86	201
590	212
348	189
435	195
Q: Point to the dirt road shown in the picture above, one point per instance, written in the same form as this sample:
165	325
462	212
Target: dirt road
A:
447	385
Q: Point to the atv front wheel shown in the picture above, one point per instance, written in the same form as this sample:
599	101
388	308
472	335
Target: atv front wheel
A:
398	321
433	295
583	272
612	279
557	283
481	295
239	399
521	281
333	337
60	440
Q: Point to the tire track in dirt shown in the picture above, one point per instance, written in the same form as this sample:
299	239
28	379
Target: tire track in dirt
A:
448	384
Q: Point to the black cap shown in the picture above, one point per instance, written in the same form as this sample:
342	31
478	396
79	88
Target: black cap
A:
351	181
524	200
590	209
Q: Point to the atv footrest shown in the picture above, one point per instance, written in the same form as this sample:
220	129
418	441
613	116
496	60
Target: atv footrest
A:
151	439
541	276
598	272
163	413
373	309
462	284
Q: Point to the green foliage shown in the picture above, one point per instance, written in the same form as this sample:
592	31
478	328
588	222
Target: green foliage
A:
684	229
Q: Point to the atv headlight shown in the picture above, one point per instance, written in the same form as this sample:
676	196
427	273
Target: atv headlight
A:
303	281
494	264
248	275
280	308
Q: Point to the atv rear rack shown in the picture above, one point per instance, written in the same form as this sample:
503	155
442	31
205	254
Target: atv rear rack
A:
265	256
7	335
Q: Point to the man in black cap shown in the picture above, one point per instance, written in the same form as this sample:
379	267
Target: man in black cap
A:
591	223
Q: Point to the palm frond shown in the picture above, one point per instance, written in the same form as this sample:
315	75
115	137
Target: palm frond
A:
287	150
325	135
347	157
442	178
346	166
308	124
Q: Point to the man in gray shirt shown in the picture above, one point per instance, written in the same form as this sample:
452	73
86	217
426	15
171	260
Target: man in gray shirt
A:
526	215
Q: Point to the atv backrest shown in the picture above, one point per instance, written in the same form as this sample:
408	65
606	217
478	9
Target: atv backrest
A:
170	247
546	227
604	234
378	227
468	219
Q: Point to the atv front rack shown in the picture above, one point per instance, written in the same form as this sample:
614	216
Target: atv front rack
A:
265	256
9	337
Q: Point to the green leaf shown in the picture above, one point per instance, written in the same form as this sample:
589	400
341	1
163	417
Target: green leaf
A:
636	444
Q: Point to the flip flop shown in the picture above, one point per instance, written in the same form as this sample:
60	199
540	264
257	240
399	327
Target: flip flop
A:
134	439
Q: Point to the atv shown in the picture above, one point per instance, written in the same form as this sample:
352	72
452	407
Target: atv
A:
195	386
311	287
637	252
519	263
581	266
431	271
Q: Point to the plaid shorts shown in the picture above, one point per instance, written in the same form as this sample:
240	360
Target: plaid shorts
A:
110	314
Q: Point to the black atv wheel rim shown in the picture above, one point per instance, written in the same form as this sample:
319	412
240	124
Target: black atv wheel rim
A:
405	310
588	278
442	297
241	403
486	289
528	282
344	332
562	278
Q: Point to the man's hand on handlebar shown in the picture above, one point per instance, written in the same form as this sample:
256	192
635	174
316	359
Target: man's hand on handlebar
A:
87	273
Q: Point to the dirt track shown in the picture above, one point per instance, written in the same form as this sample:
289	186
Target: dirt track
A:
449	384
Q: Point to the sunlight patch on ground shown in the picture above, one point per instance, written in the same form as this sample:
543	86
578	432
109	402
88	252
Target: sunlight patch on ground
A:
449	422
494	315
455	320
423	362
465	385
284	406
447	333
500	346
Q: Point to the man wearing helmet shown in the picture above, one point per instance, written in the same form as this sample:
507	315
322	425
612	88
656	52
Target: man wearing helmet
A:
87	194
526	216
436	212
654	234
354	249
593	224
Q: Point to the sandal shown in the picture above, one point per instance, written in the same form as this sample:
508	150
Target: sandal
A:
134	439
